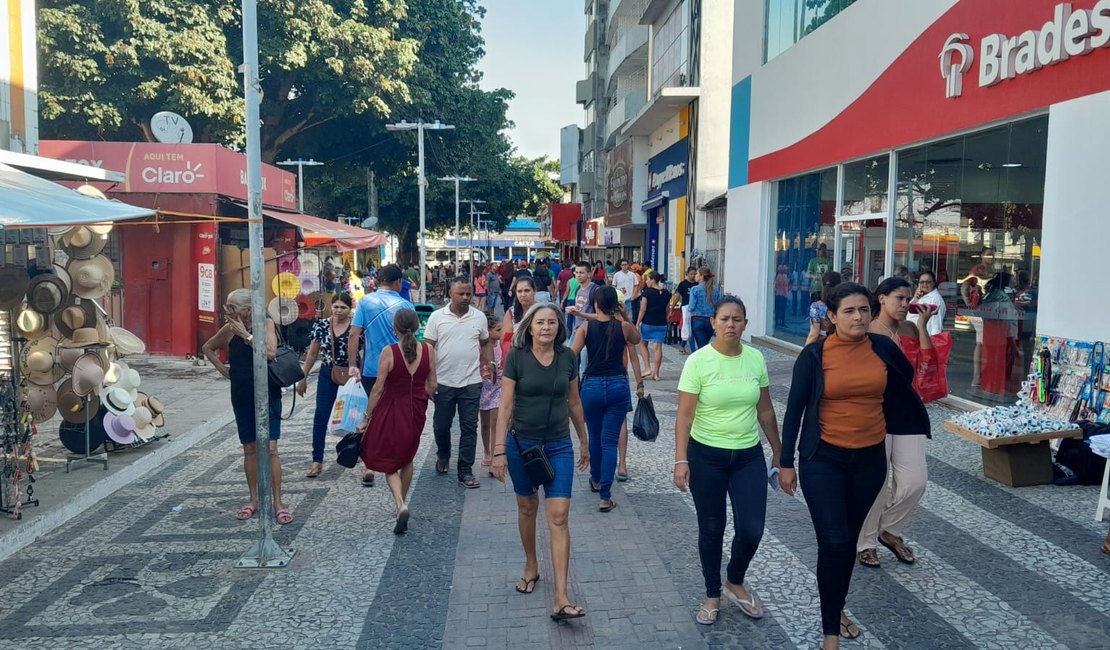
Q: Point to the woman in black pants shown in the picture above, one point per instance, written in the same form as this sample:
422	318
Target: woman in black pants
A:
848	391
723	401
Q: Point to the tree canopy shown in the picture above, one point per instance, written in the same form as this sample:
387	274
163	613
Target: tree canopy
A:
334	73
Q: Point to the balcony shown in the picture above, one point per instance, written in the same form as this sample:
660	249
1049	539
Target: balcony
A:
589	138
630	8
623	111
590	41
586	90
654	114
630	51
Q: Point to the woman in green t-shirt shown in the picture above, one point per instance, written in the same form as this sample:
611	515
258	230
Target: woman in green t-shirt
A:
723	402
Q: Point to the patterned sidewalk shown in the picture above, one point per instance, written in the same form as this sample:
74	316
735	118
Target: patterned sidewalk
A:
150	566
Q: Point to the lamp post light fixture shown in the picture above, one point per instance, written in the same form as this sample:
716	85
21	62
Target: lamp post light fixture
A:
457	180
420	126
300	165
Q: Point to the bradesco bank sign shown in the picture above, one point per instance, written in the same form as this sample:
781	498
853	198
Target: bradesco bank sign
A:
1070	33
177	168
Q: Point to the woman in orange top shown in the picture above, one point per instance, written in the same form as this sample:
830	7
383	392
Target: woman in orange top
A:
848	390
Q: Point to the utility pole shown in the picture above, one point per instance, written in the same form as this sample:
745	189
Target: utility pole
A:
474	215
264	553
457	180
420	126
300	164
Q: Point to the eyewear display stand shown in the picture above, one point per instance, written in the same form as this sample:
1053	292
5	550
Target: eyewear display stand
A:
16	461
88	456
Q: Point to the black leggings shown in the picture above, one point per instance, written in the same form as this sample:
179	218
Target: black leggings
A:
840	486
741	476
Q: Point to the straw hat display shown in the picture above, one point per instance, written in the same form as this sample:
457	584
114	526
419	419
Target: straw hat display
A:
144	422
126	342
154	405
309	284
74	315
310	265
83	243
306	308
42	401
283	310
67	357
88	374
120	428
13	286
47	292
86	337
118	401
72	406
37	361
129	380
91	278
30	324
286	285
289	264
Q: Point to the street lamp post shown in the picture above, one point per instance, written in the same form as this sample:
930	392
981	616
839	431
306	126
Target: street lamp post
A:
457	180
300	164
470	238
420	126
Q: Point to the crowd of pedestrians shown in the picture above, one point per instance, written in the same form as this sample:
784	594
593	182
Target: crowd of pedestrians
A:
853	435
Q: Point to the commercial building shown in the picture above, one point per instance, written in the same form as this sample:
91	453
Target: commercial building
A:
962	137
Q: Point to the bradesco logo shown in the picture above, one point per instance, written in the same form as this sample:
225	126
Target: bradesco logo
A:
1071	32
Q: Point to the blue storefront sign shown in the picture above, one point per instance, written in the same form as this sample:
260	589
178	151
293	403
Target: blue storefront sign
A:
667	180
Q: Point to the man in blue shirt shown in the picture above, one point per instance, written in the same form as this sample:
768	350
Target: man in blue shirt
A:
375	316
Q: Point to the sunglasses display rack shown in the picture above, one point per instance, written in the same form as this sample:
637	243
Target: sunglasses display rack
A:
1068	379
17	463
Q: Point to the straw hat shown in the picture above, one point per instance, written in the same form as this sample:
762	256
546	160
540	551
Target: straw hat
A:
309	284
47	292
71	406
286	285
42	402
118	401
88	375
74	315
310	266
83	242
126	342
30	324
13	286
37	361
67	357
91	278
120	428
283	310
115	369
62	273
72	434
306	307
58	231
86	337
289	263
144	422
129	380
154	405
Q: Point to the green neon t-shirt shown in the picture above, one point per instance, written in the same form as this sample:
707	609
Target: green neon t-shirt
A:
728	391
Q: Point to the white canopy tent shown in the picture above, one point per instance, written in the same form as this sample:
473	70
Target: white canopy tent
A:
28	201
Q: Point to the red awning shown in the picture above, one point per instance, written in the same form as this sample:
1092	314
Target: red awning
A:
321	231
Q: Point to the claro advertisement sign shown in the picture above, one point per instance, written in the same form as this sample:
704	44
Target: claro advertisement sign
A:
177	168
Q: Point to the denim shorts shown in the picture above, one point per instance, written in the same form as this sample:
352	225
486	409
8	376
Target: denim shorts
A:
653	333
245	420
561	455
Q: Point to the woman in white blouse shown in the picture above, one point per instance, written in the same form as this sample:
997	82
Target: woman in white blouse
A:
927	294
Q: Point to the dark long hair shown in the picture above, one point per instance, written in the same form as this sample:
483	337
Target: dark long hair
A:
836	295
407	323
605	302
885	288
518	309
829	280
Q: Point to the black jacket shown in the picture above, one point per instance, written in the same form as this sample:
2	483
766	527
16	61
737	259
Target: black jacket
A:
904	411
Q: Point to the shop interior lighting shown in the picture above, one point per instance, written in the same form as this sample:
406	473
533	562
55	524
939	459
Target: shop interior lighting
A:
1011	165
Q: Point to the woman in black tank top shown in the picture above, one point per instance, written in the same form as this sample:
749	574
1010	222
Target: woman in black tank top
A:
605	394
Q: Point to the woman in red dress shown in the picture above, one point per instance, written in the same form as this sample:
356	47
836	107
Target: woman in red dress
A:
395	417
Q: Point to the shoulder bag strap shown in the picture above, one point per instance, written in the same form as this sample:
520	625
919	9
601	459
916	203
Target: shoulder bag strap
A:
331	339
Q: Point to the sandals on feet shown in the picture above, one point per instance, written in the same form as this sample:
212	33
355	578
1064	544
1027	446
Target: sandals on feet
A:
246	512
567	612
595	487
869	557
529	585
901	551
706	616
314	470
622	478
368	479
752	607
848	629
441	466
469	482
402	525
607	506
283	516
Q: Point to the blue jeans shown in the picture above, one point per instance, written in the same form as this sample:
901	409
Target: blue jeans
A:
701	331
326	391
606	401
560	453
491	300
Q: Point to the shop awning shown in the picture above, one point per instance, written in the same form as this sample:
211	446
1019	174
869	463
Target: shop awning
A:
28	201
319	231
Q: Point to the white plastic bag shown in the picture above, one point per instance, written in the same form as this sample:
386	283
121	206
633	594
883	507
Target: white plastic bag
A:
349	409
685	332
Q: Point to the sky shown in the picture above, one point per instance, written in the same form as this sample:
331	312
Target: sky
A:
534	48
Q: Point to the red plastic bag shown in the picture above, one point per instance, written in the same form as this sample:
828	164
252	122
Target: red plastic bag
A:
930	376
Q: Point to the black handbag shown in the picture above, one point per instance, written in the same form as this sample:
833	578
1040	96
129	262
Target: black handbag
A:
536	464
285	368
347	450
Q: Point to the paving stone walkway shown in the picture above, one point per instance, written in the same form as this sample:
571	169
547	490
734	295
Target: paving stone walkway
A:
151	565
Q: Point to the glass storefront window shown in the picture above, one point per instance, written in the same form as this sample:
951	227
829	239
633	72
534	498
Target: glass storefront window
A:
969	210
862	251
804	221
865	186
788	21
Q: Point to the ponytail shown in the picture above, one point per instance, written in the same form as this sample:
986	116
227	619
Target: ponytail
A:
710	282
406	323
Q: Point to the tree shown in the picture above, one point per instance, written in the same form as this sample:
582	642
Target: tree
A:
108	65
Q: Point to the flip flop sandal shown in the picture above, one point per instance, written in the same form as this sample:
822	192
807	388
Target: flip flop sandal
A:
402	525
900	550
752	607
368	482
246	512
869	557
469	482
529	585
846	630
622	478
567	612
709	618
441	467
609	508
314	471
283	516
595	487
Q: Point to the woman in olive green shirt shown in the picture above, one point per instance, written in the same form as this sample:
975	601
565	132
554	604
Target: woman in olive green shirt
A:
723	401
